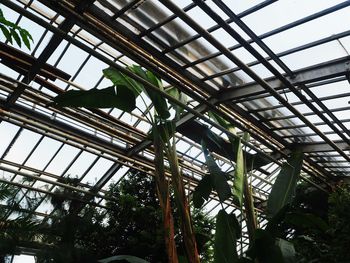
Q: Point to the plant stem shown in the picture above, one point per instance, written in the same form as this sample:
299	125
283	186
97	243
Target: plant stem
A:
164	198
183	206
249	210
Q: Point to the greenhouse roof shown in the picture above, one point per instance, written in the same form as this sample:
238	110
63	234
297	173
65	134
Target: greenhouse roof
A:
276	69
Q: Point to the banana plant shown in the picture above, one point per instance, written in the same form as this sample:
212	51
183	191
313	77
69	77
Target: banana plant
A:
265	246
122	95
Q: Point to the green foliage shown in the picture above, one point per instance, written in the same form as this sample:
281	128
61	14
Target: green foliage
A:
136	220
164	130
174	92
123	93
332	244
226	234
68	230
120	79
161	136
13	32
215	180
6	192
306	221
202	191
131	226
224	123
14	231
284	187
266	248
220	146
157	99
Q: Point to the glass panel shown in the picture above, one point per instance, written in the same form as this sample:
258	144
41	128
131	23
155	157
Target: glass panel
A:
43	153
284	12
62	159
22	146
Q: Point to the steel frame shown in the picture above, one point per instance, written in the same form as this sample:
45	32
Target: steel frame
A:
271	133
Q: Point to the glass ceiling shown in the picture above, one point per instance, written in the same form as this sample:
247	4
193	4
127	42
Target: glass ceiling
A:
277	69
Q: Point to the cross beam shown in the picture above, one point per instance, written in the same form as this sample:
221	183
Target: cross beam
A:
319	72
322	147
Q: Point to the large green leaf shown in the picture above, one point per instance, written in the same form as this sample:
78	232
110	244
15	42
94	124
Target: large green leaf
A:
224	123
306	221
120	97
226	234
264	248
128	258
218	177
274	224
287	250
284	186
177	94
268	249
238	182
157	99
202	191
120	79
198	132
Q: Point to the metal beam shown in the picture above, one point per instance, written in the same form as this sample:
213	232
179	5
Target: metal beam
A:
321	147
108	62
50	48
217	44
176	82
287	52
184	119
319	72
270	33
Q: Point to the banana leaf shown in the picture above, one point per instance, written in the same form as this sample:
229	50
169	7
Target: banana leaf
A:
268	249
120	97
157	99
198	132
177	94
218	178
284	187
120	79
224	123
226	234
